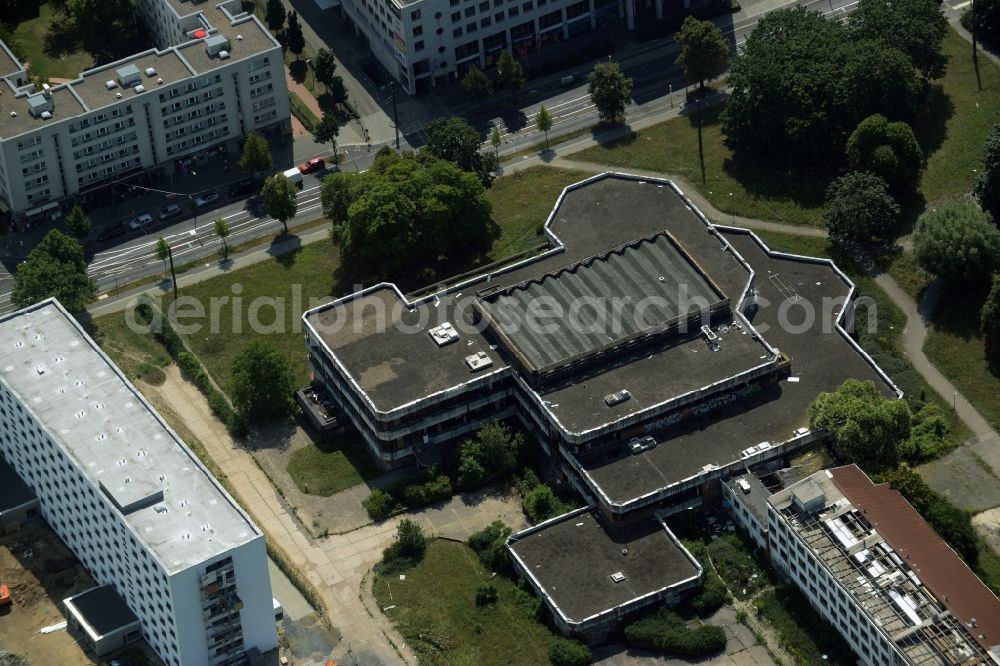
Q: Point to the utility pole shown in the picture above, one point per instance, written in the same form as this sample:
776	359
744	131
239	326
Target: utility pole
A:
395	112
170	253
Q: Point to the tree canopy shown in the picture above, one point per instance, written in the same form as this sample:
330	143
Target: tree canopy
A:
280	198
859	207
324	66
275	15
476	85
492	454
986	21
543	120
510	74
455	140
958	242
262	383
989	317
294	39
405	213
867	428
90	22
610	90
256	159
78	223
986	186
915	27
222	230
326	131
889	150
704	50
54	268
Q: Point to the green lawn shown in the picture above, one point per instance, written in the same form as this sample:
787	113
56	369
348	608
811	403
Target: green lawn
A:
955	345
751	190
882	343
326	469
949	167
434	609
30	34
138	355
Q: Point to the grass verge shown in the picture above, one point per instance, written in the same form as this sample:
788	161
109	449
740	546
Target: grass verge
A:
30	35
801	630
302	112
326	469
435	610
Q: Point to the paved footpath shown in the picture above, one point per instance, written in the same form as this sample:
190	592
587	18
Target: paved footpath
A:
338	565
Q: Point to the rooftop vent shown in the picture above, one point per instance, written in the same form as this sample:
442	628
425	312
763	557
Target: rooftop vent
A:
617	397
223	55
159	81
118	95
478	361
444	334
128	76
46	115
13	114
618	577
140	89
239	38
150	71
110	85
744	486
47	90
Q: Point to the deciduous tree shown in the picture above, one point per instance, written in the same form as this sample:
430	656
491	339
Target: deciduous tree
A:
294	39
859	207
54	268
275	15
867	428
889	150
704	51
476	85
256	159
326	131
610	90
324	66
915	27
958	242
222	230
280	198
510	74
455	140
78	223
543	119
262	383
989	317
986	186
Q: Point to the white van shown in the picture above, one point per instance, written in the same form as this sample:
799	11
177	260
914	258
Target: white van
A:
294	175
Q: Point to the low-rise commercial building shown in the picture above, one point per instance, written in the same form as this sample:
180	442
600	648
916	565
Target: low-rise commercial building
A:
130	499
217	76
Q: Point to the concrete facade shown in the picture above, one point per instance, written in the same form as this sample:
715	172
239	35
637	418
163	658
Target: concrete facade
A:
217	76
129	498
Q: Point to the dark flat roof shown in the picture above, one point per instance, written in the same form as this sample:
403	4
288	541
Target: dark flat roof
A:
573	558
395	368
756	499
821	360
937	565
15	492
103	609
600	302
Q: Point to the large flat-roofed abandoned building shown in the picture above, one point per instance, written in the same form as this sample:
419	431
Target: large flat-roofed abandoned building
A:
217	75
871	566
122	490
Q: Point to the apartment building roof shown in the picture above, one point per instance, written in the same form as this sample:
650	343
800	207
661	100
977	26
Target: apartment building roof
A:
889	584
944	573
752	493
586	568
117	440
822	356
241	39
8	63
166	66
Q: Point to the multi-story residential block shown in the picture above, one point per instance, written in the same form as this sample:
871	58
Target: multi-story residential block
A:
130	499
422	43
872	568
217	76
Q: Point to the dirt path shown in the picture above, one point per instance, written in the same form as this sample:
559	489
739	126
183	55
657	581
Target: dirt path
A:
336	565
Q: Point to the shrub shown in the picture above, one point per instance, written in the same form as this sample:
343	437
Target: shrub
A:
858	207
379	504
889	150
486	595
957	242
566	652
491	546
490	456
410	543
540	504
665	631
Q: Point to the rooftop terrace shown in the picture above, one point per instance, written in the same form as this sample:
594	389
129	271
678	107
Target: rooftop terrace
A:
117	440
585	568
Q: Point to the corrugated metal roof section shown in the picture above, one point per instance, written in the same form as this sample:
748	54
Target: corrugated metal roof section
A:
938	566
602	300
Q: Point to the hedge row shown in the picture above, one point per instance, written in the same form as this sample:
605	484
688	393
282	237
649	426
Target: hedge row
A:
189	364
382	503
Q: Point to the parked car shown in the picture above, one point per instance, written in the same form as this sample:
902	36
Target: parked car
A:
315	164
206	199
241	187
640	444
141	221
112	232
172	210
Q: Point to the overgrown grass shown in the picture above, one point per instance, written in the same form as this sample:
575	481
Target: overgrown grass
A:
882	343
326	469
801	630
752	190
956	346
949	171
522	202
138	355
435	610
903	268
988	567
30	35
302	112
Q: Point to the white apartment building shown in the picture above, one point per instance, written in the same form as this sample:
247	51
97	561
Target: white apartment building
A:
217	75
873	569
129	498
422	43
